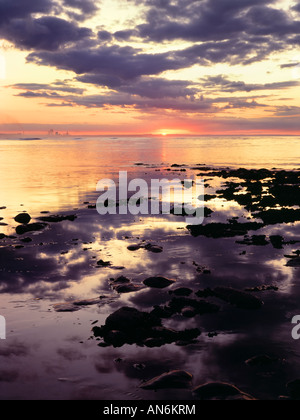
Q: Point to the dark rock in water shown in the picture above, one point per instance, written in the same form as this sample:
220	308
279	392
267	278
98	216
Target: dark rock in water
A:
188	312
124	285
26	240
220	391
154	342
134	247
286	195
237	298
162	312
176	379
32	227
284	215
121	280
258	240
293	388
223	230
23	218
127	288
181	291
261	361
57	218
140	328
126	319
65	307
102	263
262	288
295	262
154	248
158	282
277	241
200	307
116	338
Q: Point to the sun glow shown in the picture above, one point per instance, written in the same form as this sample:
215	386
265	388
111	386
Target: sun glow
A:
170	132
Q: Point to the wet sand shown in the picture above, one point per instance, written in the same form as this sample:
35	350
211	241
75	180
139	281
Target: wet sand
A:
215	301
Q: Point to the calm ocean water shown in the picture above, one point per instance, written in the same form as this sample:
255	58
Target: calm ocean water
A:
59	172
53	355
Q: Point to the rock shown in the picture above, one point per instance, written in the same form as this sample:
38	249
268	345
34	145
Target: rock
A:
176	379
295	262
261	361
58	218
128	288
181	291
219	391
277	241
162	312
124	285
134	247
188	312
121	280
154	248
26	240
284	215
139	366
32	227
154	342
115	338
65	307
141	328
223	230
86	302
258	240
128	318
102	263
293	388
262	288
237	298
23	218
158	282
201	307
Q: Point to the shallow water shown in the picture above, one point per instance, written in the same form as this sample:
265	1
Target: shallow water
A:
53	355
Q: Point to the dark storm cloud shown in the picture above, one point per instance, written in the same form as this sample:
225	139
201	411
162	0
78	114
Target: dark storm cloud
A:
142	103
12	9
30	24
45	33
223	84
197	20
296	7
114	61
148	87
243	30
80	10
57	86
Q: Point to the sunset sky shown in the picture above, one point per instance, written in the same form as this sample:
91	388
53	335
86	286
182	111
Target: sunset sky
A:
150	66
